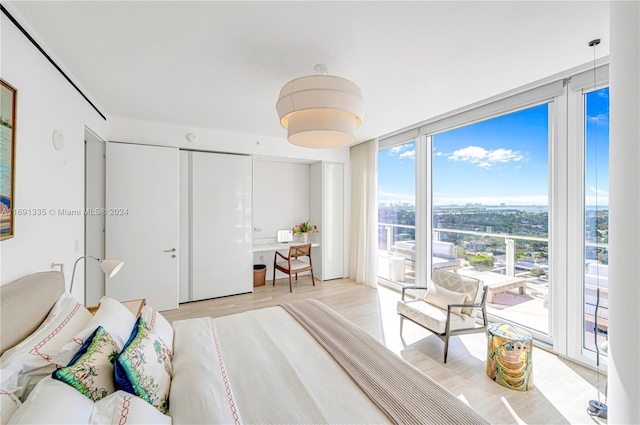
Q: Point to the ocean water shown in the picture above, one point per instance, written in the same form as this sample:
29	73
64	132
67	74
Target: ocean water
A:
525	208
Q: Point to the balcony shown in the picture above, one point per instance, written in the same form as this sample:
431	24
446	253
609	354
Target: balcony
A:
515	267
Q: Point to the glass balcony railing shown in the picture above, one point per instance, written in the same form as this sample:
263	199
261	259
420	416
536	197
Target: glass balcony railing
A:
515	267
521	261
509	255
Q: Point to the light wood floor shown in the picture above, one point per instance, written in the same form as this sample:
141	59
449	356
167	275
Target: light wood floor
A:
562	389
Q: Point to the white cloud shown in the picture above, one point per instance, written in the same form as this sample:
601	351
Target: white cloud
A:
486	158
396	149
438	153
599	191
598	119
408	154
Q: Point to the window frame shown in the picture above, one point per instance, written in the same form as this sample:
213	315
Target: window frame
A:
563	92
576	166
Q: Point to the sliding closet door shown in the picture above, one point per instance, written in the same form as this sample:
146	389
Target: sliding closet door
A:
222	255
142	223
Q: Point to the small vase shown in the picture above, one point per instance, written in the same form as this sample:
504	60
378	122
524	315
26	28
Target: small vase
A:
305	237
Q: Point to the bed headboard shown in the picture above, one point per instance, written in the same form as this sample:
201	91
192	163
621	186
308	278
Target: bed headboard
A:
25	304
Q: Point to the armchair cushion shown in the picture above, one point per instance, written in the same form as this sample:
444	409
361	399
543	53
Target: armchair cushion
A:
442	297
432	317
459	283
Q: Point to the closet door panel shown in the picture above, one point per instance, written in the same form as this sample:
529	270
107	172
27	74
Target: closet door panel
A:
333	221
185	227
142	223
222	255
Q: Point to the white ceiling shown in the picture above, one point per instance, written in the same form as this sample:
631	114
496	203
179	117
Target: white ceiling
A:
221	64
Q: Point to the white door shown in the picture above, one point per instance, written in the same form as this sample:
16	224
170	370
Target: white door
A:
94	223
222	234
142	223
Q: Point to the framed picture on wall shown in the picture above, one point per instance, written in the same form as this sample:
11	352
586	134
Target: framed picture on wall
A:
8	95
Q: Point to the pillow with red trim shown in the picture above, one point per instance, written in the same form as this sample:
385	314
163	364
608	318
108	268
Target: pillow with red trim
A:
32	358
115	318
122	407
53	402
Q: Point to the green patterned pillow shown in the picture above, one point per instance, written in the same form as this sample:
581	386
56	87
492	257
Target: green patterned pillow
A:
143	367
91	369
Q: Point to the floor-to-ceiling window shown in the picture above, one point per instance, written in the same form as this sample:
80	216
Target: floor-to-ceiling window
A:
507	190
397	213
596	217
490	210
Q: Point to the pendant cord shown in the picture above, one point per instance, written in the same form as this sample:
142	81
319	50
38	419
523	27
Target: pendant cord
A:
596	408
595	159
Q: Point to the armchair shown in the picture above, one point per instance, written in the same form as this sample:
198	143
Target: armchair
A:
448	308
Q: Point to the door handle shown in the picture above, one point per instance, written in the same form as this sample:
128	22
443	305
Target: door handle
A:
170	250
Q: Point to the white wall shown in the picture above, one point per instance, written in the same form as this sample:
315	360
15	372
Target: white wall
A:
163	134
280	196
280	200
45	178
624	202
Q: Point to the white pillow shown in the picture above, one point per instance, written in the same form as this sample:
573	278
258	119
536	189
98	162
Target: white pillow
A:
8	379
9	403
122	407
161	327
115	318
32	358
441	297
54	402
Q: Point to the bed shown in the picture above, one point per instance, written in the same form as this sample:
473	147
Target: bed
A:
296	363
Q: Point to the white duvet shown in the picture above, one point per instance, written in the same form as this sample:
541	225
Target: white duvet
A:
260	367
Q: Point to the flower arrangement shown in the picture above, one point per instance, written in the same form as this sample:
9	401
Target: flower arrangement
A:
304	228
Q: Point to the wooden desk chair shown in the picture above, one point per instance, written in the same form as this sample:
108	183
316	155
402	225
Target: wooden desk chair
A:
291	264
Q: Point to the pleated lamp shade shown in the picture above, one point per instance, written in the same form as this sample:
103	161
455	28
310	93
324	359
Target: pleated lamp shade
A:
320	111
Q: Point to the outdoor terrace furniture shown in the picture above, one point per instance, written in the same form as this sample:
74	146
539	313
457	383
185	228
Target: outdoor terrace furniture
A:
497	283
448	308
443	253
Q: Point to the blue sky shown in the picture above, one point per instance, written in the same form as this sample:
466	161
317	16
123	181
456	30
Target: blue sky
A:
597	131
501	160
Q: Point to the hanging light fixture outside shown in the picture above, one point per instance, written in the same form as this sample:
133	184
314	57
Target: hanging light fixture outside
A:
320	111
597	407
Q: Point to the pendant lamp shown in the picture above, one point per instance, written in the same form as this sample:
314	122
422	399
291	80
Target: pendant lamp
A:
320	111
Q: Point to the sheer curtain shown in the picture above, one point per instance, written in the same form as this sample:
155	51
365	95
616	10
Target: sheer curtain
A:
363	241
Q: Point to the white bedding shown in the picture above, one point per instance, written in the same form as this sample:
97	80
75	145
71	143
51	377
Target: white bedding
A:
311	386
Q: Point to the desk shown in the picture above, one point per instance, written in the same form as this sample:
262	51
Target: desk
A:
264	247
